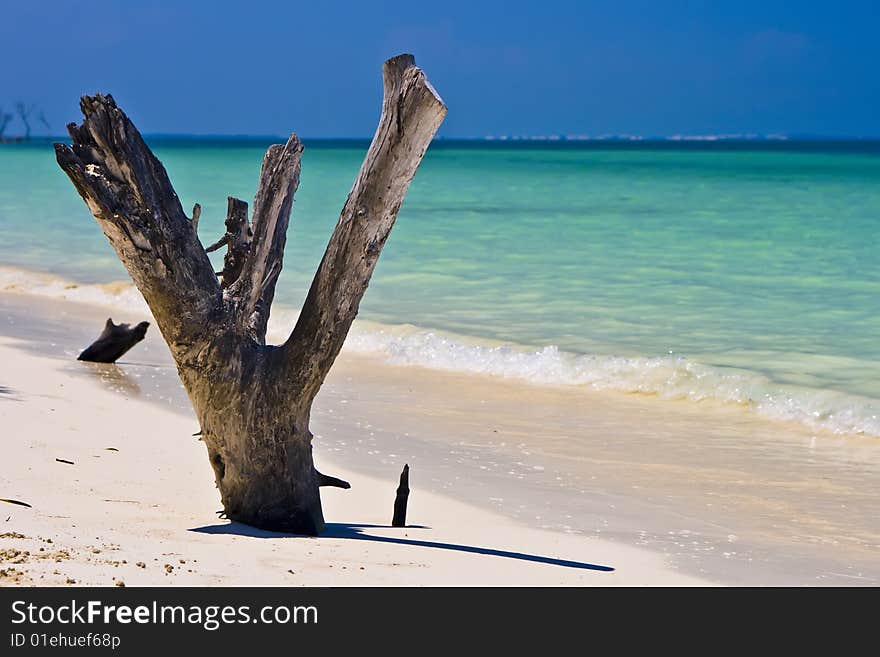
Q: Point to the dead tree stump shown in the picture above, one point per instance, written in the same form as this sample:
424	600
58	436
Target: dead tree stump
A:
253	400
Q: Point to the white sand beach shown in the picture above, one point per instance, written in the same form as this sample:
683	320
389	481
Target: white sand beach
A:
132	501
512	484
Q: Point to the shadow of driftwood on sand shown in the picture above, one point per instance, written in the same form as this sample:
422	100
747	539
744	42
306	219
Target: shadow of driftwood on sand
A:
113	377
356	532
8	393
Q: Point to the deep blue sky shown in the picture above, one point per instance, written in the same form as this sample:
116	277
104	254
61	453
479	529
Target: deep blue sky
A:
538	67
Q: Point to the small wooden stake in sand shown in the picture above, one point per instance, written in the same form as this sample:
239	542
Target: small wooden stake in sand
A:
114	341
399	519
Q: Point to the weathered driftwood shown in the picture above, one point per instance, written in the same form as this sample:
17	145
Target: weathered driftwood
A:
399	519
252	400
335	482
114	341
237	240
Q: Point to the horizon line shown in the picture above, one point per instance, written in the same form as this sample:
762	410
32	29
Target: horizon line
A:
550	138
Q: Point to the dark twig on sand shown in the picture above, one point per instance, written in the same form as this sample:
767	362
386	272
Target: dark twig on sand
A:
400	501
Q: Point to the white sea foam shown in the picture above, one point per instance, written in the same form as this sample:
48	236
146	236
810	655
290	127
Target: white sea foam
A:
118	294
667	377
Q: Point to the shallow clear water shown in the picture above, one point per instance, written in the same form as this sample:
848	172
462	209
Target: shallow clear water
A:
745	273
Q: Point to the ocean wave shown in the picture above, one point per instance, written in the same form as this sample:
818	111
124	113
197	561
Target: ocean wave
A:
115	294
666	377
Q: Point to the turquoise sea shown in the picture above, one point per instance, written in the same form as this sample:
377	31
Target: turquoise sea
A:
742	272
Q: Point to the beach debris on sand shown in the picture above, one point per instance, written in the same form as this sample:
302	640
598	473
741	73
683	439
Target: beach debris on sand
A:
114	341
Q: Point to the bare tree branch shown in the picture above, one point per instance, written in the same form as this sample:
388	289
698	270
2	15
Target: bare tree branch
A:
254	289
23	113
128	192
4	121
411	113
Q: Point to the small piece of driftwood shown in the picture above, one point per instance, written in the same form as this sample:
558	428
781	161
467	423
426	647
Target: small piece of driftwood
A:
399	519
327	480
114	341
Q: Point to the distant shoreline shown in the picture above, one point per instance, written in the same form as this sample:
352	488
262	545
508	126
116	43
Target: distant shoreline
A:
553	142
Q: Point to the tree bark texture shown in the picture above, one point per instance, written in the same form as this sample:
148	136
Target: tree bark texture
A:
253	400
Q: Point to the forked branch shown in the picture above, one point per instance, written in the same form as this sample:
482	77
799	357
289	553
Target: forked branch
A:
252	401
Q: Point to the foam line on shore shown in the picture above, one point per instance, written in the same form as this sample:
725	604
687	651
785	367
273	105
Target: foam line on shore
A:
667	377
